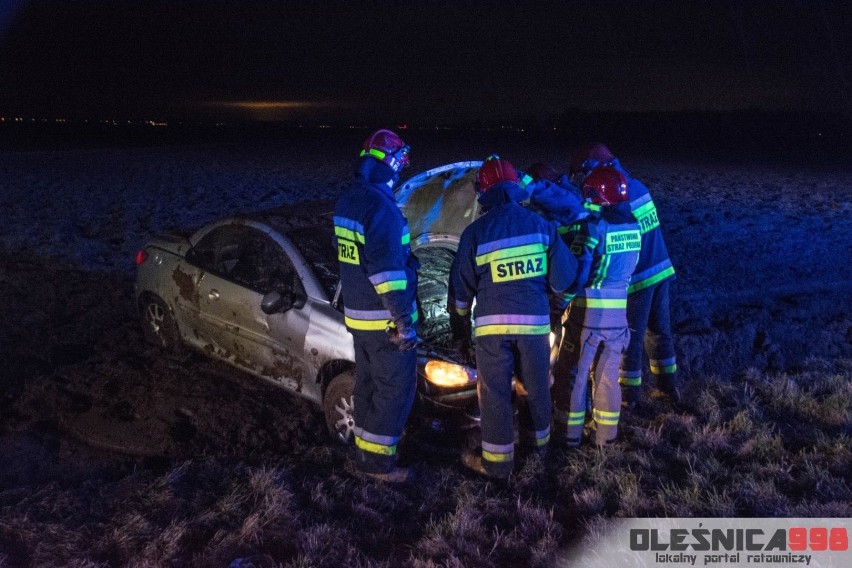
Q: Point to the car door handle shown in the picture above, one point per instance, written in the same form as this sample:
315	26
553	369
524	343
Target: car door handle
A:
213	294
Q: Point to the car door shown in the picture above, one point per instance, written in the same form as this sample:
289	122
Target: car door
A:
244	263
224	321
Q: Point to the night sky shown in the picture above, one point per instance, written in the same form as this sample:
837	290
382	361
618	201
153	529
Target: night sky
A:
419	62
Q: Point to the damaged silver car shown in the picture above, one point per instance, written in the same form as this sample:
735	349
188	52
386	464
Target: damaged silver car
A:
260	292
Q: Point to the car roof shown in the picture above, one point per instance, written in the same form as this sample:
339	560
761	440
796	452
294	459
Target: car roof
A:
289	218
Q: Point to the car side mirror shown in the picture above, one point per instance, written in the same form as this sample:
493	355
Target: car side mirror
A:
276	302
299	299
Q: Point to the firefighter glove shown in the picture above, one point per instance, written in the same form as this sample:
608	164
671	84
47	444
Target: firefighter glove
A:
403	334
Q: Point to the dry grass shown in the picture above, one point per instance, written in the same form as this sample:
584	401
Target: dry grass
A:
763	430
761	444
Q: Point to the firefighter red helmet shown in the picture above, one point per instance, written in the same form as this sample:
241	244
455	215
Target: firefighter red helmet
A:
605	185
540	170
492	171
388	148
588	157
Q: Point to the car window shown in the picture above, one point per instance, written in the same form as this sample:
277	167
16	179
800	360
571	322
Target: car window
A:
217	251
246	256
316	244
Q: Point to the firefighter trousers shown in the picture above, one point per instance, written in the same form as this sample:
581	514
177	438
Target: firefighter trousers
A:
385	383
498	359
649	319
588	353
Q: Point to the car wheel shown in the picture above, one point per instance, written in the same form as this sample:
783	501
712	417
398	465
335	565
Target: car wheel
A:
159	325
339	408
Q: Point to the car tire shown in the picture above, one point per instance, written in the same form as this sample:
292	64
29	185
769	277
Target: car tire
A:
338	406
159	326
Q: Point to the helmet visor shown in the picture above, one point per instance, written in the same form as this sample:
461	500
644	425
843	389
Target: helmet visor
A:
402	156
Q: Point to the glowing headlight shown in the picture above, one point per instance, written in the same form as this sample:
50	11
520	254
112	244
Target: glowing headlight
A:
444	374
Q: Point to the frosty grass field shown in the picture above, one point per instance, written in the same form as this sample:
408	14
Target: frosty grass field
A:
115	456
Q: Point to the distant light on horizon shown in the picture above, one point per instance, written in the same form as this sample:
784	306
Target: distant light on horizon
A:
262	105
270	110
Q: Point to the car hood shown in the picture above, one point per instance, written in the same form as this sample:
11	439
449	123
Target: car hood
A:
438	205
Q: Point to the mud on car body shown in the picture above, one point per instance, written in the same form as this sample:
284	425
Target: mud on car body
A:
261	293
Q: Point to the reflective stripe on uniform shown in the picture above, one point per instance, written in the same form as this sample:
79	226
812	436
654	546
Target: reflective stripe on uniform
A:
376	438
601	303
651	276
630	378
375	443
512	330
542	437
499	453
605	418
570	418
663	366
354	231
462	308
645	213
375	448
563	229
389	281
348	232
366	325
349	229
603	268
510	252
575	418
372	320
512	324
600	307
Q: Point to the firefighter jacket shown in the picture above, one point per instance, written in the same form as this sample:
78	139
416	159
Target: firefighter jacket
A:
654	264
561	202
608	246
378	273
510	259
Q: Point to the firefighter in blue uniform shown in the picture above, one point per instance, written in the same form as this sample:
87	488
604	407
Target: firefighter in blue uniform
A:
648	313
509	260
378	276
553	195
596	334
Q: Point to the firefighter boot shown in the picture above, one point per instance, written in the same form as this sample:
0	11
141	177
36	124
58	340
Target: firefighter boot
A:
473	462
669	387
630	396
396	475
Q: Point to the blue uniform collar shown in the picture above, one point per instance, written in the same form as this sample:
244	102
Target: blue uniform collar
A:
501	193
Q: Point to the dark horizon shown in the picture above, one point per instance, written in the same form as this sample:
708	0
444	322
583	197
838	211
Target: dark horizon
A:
430	62
751	135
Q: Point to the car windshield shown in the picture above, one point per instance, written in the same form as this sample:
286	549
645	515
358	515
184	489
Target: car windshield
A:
317	247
